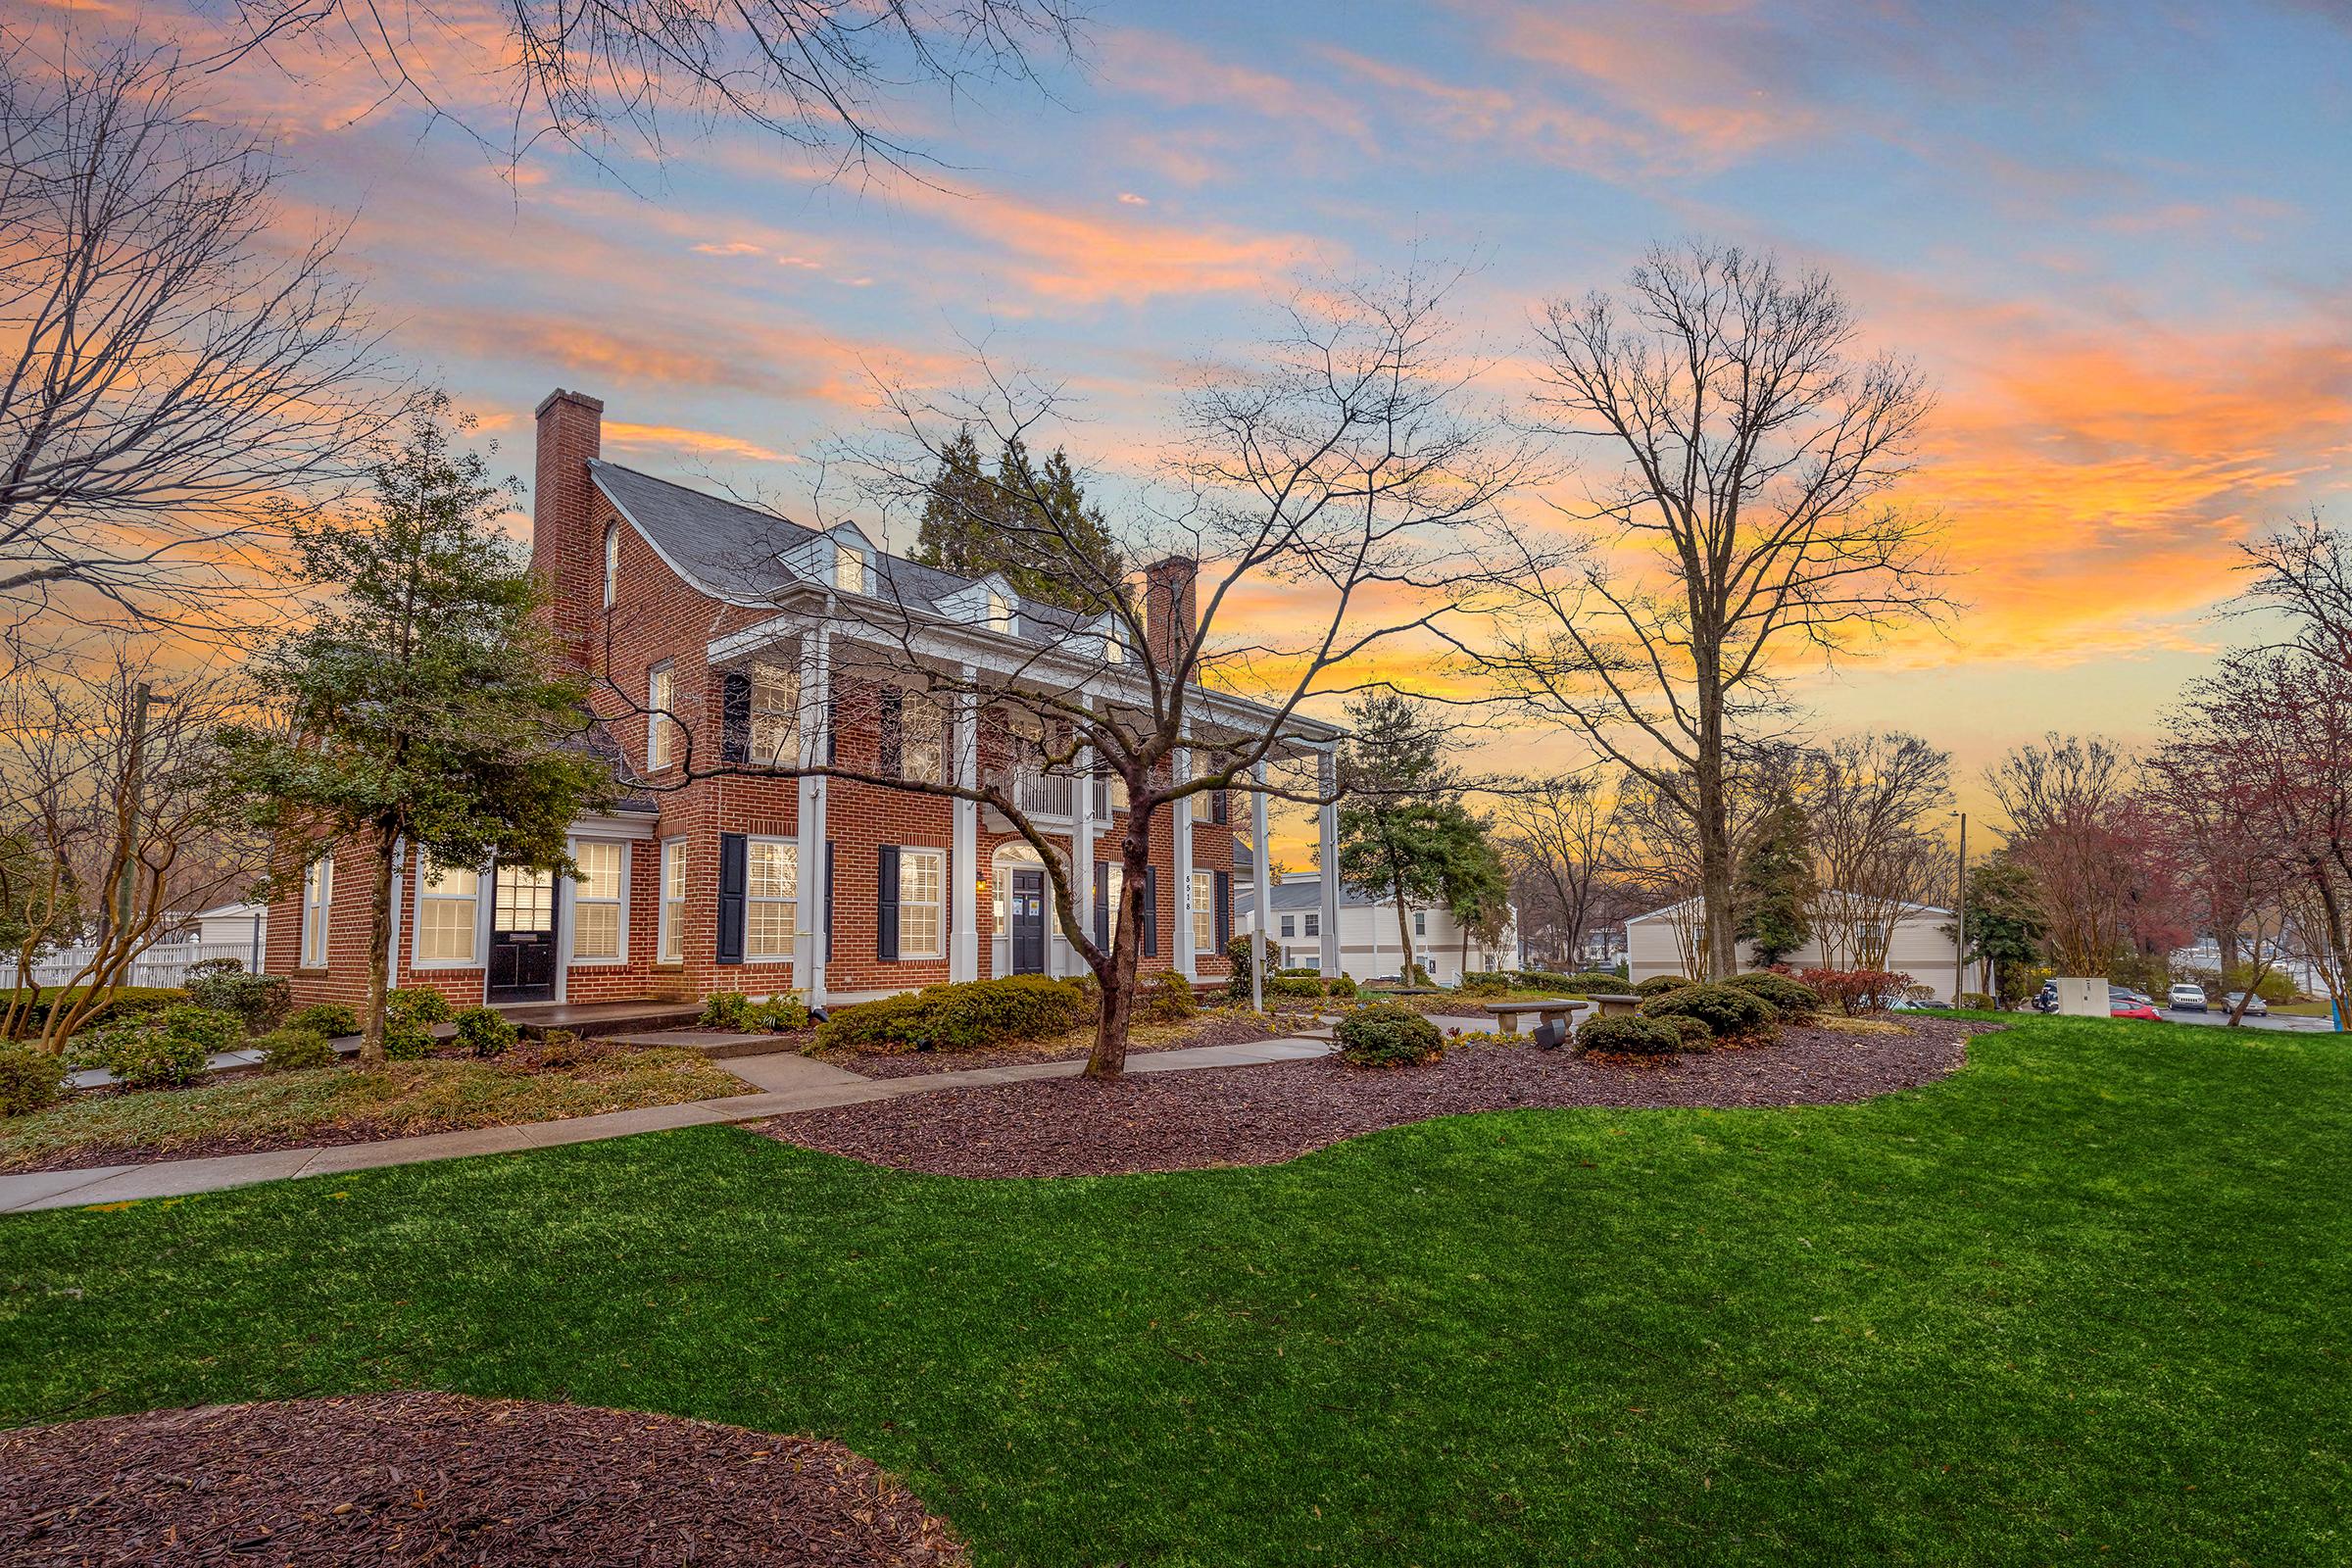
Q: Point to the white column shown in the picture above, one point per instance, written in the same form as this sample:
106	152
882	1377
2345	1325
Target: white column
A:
1327	855
964	869
1261	876
1082	852
809	937
1181	827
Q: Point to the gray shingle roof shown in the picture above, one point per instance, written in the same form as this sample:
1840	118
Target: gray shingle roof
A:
1299	894
730	550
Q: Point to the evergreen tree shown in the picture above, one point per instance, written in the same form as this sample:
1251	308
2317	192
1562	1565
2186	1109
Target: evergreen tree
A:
1477	884
2006	921
425	707
961	513
1031	522
1773	896
1401	819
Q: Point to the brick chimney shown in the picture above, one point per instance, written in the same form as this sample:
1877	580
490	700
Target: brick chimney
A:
1172	607
569	560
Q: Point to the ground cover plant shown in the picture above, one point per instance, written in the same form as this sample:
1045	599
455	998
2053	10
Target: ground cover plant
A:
329	1104
2059	1307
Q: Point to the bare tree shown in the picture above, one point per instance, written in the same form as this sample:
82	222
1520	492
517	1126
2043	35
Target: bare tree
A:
1754	454
1554	835
2074	818
1870	800
2304	568
1348	471
816	74
113	790
173	383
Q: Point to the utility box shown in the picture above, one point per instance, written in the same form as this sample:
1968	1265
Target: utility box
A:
2081	999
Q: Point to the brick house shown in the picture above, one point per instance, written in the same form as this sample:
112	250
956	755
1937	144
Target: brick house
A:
725	636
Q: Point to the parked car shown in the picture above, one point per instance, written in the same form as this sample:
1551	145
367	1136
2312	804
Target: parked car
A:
2185	998
2131	1005
2256	1007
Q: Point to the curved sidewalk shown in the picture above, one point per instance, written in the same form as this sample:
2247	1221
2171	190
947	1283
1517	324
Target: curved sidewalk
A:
784	1082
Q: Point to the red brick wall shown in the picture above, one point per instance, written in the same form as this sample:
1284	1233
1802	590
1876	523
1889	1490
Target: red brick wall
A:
568	545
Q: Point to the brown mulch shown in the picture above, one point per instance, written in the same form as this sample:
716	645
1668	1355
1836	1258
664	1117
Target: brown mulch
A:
1266	1115
414	1478
1214	1030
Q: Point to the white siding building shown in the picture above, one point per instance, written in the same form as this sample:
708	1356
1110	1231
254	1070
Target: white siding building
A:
1368	937
1919	945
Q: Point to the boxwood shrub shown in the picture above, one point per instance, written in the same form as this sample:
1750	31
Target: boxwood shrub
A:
1585	983
1387	1036
160	1049
1165	998
1340	985
288	1049
261	1000
1698	1035
485	1032
967	1015
31	1080
1630	1036
1659	984
1793	1000
1730	1011
333	1019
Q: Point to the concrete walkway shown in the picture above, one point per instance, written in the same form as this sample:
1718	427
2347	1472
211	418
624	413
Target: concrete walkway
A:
786	1082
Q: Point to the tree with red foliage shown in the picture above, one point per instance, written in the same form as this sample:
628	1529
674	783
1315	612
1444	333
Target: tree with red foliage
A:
2079	824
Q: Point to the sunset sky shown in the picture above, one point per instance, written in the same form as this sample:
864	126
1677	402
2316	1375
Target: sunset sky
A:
2114	236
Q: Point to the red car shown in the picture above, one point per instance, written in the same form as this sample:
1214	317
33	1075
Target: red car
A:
2121	1005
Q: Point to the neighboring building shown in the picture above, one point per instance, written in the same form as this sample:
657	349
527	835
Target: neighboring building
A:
241	928
1919	945
754	634
1367	933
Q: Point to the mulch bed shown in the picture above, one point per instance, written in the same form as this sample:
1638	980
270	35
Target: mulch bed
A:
414	1478
1262	1115
1209	1031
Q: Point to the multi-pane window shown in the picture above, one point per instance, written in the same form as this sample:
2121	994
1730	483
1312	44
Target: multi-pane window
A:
772	898
775	714
923	912
596	900
1114	879
1289	925
1114	652
661	688
671	946
1314	925
999	612
1205	911
1420	922
849	569
448	906
317	894
922	738
522	899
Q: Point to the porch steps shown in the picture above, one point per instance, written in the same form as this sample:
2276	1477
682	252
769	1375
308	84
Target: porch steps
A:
599	1019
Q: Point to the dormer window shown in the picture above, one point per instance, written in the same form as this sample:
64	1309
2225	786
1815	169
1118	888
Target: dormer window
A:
999	612
1114	652
611	562
849	569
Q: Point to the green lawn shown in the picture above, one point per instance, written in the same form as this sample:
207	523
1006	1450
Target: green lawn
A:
2089	1300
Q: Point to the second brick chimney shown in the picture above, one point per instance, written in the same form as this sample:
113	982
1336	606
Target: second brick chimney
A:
570	562
1172	607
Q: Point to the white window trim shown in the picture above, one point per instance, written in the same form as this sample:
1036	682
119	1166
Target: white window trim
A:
611	563
571	927
417	958
1313	926
938	857
785	957
661	737
317	905
1290	927
669	936
843	553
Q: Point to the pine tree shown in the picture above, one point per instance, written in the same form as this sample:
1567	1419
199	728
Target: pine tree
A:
1400	813
1773	896
1030	523
961	514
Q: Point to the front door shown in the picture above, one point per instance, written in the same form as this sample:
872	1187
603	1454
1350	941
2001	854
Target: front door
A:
1028	914
522	936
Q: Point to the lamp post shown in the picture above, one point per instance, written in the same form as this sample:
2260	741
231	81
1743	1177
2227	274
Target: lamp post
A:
1960	915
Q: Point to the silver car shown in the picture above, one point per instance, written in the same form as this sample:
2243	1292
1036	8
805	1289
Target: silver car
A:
2185	998
2256	1007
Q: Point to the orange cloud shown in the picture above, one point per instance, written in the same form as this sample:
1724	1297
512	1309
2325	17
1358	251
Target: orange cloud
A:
703	444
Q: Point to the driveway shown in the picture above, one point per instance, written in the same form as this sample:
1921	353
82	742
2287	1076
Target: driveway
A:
2217	1018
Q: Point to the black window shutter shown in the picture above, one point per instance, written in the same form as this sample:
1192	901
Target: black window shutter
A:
1150	912
894	721
1224	908
1102	903
832	729
735	717
1218	808
829	957
734	852
886	914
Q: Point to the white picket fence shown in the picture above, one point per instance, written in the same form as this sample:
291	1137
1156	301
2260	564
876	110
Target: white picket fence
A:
164	964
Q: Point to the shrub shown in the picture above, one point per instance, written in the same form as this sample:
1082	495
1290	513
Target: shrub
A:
970	1016
1793	1000
1478	983
155	1050
1730	1012
485	1032
262	1000
777	1016
1387	1036
1630	1036
288	1049
209	968
1976	1002
1857	991
1238	960
561	1047
332	1019
1302	974
418	1004
128	1003
728	1010
1659	984
1168	998
1698	1035
30	1080
1295	985
1339	985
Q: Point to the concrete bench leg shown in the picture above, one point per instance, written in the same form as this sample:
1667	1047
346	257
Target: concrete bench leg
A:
1511	1022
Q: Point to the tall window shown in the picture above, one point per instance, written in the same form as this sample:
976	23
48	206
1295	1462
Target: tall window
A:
849	569
1114	652
775	714
1314	925
661	687
1205	911
449	903
1420	922
1289	925
922	738
922	892
772	898
671	946
611	562
318	894
595	901
999	612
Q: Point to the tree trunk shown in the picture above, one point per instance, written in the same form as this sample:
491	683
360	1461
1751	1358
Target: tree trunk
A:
1109	1059
379	947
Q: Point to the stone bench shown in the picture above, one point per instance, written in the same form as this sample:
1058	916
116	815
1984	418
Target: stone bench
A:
1561	1011
1617	1007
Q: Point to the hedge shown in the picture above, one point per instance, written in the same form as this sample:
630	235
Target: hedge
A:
1589	982
1857	991
967	1015
1630	1036
1793	1000
1387	1036
288	1049
1657	984
1730	1011
261	1000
